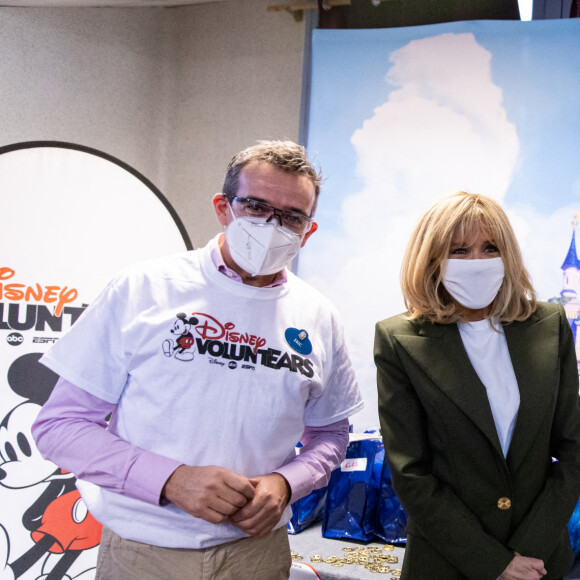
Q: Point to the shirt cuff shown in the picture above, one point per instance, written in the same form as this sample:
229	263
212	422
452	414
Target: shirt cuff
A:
148	475
299	479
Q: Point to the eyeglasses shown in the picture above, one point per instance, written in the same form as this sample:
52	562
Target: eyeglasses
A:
295	221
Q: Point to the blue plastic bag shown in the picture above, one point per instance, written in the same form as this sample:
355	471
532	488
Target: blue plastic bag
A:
574	529
391	517
353	491
306	511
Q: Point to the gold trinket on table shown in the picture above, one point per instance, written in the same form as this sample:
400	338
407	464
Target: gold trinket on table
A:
372	558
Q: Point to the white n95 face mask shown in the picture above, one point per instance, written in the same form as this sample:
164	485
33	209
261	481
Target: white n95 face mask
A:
473	283
260	247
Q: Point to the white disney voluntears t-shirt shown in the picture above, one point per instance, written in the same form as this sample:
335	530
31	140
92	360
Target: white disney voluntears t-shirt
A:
207	371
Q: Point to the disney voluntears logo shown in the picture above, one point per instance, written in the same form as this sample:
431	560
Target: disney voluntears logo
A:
34	306
207	337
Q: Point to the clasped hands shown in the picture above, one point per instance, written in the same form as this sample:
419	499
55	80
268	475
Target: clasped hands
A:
218	495
523	568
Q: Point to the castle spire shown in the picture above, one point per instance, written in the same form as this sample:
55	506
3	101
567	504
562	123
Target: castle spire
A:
571	260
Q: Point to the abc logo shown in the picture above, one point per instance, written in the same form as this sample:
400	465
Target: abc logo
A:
15	339
232	364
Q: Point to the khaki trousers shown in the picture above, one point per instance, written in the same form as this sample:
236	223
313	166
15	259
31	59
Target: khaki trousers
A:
245	559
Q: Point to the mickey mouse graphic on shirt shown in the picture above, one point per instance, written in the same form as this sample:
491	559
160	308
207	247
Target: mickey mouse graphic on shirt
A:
183	347
59	523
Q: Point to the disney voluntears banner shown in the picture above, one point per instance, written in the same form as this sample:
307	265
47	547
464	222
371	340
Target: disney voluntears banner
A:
418	113
71	218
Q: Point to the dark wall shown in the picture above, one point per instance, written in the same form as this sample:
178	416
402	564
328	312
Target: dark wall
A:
394	13
547	9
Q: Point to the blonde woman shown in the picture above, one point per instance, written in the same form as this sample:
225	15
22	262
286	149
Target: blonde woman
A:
478	393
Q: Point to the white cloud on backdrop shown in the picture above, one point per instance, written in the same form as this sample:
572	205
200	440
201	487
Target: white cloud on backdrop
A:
443	129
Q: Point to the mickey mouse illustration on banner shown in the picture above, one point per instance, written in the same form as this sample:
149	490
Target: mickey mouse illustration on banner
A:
184	345
58	521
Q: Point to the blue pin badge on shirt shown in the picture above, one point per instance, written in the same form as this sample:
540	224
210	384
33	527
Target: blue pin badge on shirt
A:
298	340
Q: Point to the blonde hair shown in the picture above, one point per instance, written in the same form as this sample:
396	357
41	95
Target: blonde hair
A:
462	214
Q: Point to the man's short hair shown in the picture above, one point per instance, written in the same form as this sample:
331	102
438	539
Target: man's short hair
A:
282	154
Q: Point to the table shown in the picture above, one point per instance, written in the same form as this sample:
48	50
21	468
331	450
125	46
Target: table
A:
309	544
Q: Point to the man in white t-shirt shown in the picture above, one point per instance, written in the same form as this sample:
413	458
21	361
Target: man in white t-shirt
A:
212	365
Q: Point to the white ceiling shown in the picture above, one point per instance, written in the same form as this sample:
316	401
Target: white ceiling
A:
110	3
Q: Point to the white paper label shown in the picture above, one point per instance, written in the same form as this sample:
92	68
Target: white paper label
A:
354	464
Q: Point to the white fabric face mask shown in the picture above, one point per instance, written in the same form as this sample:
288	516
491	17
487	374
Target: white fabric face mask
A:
260	247
473	283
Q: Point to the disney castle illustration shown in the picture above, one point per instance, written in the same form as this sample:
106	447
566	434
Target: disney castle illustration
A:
570	293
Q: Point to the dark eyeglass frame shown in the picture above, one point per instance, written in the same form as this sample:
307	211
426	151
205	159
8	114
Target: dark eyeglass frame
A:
296	221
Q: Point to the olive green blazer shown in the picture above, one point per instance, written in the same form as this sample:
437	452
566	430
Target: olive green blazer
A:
469	507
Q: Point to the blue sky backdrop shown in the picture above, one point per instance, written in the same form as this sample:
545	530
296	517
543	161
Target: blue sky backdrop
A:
402	116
